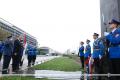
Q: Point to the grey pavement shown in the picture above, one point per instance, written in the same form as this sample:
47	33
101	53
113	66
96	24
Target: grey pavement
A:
39	60
50	74
59	75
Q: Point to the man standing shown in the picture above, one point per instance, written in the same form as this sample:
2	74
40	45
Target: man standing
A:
7	53
16	54
87	55
114	48
21	53
81	53
98	48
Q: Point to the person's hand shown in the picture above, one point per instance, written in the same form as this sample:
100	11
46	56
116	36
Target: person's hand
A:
100	56
91	59
15	54
106	33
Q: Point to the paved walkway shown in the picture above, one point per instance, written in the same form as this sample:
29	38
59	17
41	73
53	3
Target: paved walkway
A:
39	60
50	74
60	75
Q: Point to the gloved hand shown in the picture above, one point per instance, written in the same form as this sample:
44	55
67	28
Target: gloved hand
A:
100	56
15	54
91	60
106	33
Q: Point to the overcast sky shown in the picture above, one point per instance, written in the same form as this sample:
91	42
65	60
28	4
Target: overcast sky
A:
58	24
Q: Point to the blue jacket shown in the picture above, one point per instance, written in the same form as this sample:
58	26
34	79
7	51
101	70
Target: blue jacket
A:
114	39
87	51
81	51
35	51
30	52
8	47
1	47
98	48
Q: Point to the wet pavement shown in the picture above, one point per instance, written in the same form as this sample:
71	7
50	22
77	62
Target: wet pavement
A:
50	74
59	75
39	60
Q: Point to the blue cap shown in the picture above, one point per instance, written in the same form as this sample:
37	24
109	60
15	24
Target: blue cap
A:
113	21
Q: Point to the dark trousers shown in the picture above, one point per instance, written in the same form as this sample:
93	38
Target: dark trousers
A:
21	62
97	67
34	58
29	60
115	68
15	62
6	62
0	56
82	61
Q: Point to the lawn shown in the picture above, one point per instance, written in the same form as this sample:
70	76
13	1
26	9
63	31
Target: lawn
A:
75	57
20	78
59	64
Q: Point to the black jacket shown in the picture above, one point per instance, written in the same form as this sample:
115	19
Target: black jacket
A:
17	46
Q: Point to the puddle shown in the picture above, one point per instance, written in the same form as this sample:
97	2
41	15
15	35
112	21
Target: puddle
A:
60	75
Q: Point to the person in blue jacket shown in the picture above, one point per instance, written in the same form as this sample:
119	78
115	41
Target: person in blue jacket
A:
34	55
81	53
87	54
30	55
97	54
114	47
7	53
1	49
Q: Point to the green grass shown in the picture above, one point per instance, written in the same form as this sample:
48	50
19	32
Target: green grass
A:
20	78
75	57
59	64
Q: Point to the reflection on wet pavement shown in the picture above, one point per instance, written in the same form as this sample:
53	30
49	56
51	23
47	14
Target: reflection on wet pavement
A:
39	60
57	75
60	75
50	74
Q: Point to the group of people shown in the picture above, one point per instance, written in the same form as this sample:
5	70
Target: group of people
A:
14	48
100	50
